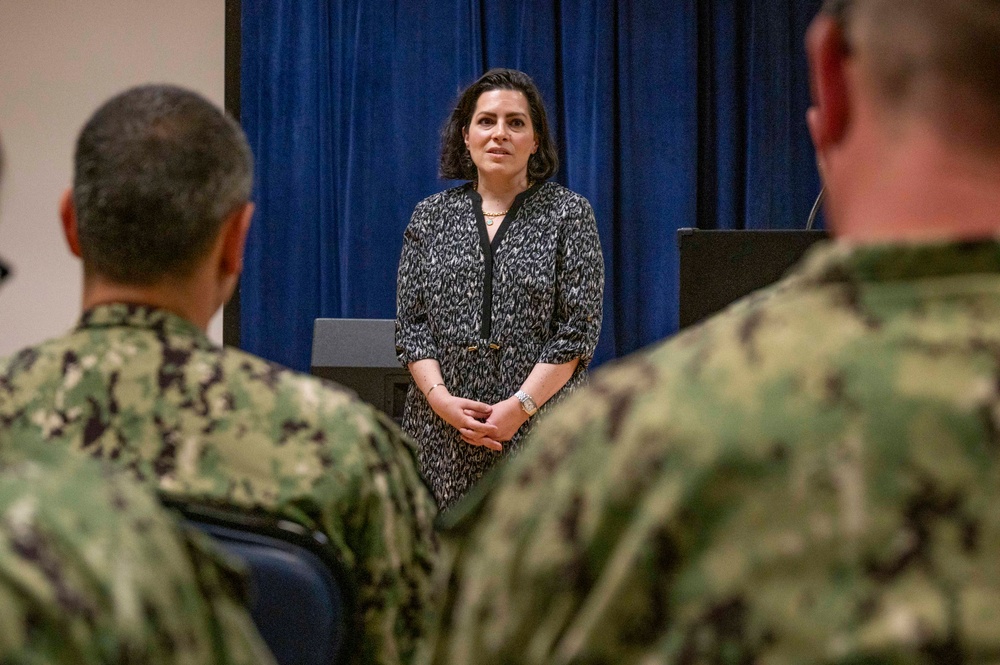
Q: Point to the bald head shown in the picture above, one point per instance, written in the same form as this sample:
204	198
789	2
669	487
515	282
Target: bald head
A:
936	58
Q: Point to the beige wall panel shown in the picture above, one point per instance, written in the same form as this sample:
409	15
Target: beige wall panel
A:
59	59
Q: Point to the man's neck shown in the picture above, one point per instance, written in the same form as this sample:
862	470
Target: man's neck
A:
920	188
180	299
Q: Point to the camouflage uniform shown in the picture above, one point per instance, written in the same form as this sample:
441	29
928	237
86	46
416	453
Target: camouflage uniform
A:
811	476
148	389
93	571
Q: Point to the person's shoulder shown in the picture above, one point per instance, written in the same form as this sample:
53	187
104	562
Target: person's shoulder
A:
68	522
783	324
569	204
435	213
670	388
64	481
444	198
615	395
308	396
555	190
242	365
30	357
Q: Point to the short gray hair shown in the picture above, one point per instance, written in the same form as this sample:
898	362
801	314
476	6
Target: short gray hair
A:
158	169
941	57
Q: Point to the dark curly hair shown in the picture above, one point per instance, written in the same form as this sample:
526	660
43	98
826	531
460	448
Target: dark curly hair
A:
456	163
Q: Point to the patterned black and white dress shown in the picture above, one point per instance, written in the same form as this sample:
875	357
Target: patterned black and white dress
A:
489	311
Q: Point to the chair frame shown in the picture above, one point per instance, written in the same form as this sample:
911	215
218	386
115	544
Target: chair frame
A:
225	522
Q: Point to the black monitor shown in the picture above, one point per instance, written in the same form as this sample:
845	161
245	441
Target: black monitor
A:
720	267
360	354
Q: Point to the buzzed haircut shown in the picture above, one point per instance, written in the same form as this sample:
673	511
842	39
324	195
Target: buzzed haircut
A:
930	55
158	169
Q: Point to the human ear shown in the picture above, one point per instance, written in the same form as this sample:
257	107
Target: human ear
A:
67	212
829	116
234	239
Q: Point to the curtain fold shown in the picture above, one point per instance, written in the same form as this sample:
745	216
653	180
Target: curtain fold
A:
667	115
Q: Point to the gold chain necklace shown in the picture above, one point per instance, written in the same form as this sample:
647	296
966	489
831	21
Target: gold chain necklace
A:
503	213
490	215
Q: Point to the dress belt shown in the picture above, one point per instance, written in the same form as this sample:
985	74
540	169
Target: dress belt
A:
485	344
489	345
494	346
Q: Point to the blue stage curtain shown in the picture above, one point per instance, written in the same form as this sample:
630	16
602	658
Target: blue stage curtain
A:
668	114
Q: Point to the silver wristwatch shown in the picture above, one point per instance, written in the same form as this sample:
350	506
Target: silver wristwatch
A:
527	403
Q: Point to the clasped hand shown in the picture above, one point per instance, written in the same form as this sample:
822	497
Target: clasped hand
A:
477	423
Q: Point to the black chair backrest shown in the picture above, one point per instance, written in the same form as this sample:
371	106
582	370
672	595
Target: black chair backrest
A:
300	598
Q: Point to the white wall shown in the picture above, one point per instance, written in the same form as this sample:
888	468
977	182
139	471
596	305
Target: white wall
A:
59	59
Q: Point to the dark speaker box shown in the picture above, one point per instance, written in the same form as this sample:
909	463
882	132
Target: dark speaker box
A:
719	267
360	354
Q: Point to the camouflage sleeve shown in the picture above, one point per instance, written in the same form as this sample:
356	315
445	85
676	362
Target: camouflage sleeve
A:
379	513
640	529
576	319
92	570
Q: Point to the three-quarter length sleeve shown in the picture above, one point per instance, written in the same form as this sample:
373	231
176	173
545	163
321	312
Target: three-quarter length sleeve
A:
576	322
414	340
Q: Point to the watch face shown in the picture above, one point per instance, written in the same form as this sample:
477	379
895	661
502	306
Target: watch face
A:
527	403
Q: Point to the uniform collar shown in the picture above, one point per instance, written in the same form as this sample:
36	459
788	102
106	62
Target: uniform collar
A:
840	261
132	315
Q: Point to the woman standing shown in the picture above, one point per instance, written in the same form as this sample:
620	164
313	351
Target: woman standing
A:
499	288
